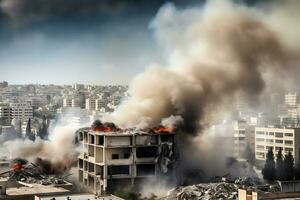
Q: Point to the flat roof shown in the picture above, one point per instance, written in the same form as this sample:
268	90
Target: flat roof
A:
35	189
79	197
128	133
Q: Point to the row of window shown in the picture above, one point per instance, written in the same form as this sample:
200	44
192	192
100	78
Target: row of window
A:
287	142
277	134
261	147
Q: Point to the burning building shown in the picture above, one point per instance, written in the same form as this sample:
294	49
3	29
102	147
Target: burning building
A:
116	157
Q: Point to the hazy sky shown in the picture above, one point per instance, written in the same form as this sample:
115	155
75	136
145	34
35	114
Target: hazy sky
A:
85	41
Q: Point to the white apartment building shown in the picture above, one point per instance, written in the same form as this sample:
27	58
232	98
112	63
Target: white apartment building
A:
95	104
291	99
71	102
123	158
5	114
90	104
288	139
22	111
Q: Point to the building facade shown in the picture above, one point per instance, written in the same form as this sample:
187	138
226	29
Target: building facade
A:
123	158
288	139
5	114
22	111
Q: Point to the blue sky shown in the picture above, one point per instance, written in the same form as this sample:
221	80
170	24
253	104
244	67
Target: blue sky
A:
85	41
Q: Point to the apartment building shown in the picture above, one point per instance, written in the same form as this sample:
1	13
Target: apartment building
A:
288	139
291	99
243	138
114	159
22	111
71	102
5	114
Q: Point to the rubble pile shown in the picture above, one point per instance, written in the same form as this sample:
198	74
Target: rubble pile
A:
21	170
207	191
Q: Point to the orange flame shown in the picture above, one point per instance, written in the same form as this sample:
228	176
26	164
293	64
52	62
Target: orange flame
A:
102	129
16	167
162	129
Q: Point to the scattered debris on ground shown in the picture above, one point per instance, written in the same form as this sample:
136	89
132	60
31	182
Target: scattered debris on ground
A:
226	189
23	171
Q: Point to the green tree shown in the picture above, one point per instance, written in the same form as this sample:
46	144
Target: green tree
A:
289	166
297	168
269	171
280	174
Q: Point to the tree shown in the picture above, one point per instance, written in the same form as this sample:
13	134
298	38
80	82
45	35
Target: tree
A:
289	166
297	168
280	174
269	171
28	133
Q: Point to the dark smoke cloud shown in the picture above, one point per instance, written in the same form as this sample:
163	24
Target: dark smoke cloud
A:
214	54
31	10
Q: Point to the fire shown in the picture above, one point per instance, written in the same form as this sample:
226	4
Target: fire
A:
162	129
102	129
16	167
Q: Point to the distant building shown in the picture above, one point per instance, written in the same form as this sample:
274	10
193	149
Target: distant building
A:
22	111
90	104
71	102
291	99
77	86
288	139
243	138
3	84
5	114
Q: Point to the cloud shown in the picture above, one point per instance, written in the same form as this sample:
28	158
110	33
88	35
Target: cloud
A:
29	10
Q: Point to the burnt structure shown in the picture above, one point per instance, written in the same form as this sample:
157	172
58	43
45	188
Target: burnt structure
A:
114	158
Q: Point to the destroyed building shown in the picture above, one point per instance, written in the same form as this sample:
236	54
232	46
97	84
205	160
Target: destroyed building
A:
114	158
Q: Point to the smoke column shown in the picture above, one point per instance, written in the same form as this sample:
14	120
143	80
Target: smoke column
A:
214	53
59	151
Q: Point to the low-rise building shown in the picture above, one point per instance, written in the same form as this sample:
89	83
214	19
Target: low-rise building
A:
124	157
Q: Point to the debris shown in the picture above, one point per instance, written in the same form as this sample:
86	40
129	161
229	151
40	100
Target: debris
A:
27	173
226	188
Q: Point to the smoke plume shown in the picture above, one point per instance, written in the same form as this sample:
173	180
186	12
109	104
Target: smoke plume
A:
214	53
56	155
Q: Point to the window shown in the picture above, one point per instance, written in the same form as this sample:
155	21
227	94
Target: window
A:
269	140
260	147
115	156
260	133
271	133
278	134
269	147
289	134
279	141
288	142
260	139
260	154
278	148
288	149
126	155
